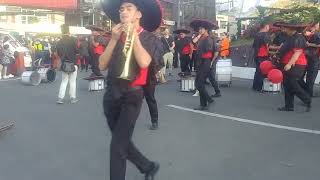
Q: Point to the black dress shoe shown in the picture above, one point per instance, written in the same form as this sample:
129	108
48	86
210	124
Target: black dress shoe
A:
150	174
308	106
154	126
216	95
285	109
201	108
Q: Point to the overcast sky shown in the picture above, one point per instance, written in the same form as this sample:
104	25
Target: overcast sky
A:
252	3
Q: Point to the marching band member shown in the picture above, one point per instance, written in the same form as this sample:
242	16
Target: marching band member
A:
294	61
281	36
205	55
184	48
97	44
262	46
312	54
123	98
261	52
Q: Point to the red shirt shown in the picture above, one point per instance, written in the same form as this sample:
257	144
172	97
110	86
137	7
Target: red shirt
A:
261	40
263	51
99	49
141	78
186	49
302	60
207	55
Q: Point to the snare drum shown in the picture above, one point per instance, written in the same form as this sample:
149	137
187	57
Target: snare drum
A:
268	86
47	75
187	84
96	85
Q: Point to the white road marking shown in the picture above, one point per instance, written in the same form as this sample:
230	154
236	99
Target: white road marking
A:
5	80
310	131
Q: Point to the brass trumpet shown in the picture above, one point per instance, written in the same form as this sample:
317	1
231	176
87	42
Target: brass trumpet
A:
127	51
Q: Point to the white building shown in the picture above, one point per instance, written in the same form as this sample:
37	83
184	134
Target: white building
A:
30	20
222	21
227	24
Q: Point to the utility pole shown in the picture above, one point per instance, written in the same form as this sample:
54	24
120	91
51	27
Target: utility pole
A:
215	11
179	14
181	4
93	18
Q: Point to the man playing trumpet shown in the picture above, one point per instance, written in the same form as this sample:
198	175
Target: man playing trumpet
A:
123	98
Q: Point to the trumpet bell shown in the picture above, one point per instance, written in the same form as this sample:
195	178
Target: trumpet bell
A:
127	52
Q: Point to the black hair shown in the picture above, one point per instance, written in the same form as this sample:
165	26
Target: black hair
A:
300	30
263	25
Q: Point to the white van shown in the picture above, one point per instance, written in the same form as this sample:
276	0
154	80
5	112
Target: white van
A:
15	45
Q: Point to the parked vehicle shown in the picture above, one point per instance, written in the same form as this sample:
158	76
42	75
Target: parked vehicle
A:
16	46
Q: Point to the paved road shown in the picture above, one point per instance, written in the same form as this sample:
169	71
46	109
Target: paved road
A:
70	142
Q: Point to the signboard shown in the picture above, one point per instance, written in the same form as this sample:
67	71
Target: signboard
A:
170	23
45	4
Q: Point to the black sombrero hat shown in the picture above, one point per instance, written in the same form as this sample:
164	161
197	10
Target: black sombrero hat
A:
196	24
178	31
151	12
292	24
278	24
94	28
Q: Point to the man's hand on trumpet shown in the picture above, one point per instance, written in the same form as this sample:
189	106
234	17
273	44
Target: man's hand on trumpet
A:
116	31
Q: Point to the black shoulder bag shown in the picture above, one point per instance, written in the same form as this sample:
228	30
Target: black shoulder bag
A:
68	66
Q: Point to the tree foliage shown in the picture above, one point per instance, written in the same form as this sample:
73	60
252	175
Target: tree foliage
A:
302	13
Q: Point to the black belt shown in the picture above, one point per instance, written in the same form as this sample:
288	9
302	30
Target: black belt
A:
129	88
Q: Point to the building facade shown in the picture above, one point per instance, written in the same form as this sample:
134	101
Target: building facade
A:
47	18
196	9
169	16
30	19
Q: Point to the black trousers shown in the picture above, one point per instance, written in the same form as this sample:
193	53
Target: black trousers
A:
46	57
202	75
175	59
185	62
212	78
122	107
95	64
192	62
292	86
148	92
312	72
195	60
258	76
84	62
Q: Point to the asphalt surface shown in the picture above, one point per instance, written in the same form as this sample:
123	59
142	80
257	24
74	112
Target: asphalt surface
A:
71	141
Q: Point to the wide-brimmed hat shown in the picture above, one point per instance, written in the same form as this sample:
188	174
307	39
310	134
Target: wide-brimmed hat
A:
278	24
178	31
196	24
94	28
292	24
151	12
